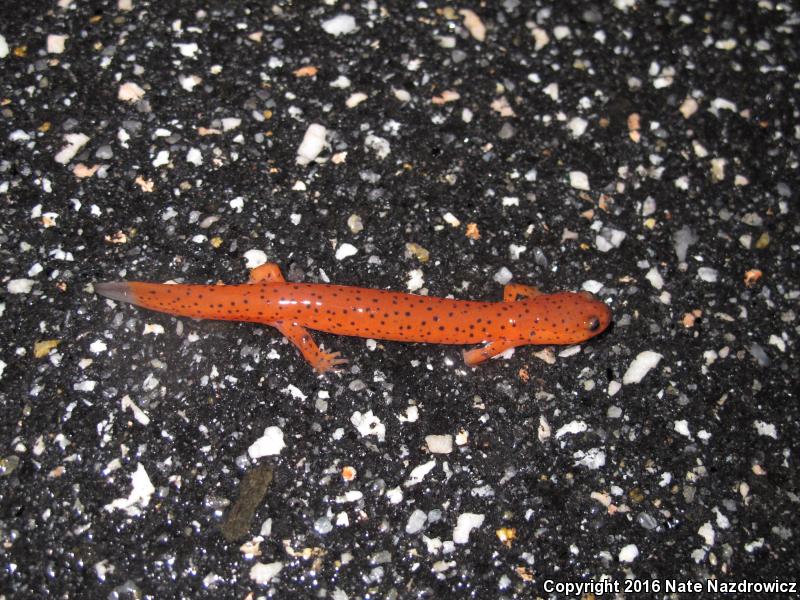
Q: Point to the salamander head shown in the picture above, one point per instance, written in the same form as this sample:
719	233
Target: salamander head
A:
568	318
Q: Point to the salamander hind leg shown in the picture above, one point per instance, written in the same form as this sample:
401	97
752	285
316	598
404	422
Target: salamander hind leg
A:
513	291
319	359
268	272
477	355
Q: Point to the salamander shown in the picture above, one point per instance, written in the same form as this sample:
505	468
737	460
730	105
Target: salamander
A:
525	316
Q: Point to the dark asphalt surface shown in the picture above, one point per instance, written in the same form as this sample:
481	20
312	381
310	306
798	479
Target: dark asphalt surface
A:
645	152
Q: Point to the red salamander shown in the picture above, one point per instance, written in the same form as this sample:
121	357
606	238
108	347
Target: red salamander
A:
525	316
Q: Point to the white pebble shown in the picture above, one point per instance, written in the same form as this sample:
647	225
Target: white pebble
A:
340	82
194	156
138	413
75	141
55	43
262	573
229	123
20	286
97	346
593	458
466	523
339	25
592	286
774	340
718	169
394	495
87	385
726	44
312	144
161	159
269	444
684	238
379	145
552	91
401	94
345	250
3	47
723	104
451	219
682	427
609	238
682	183
368	424
237	204
544	431
355	223
707	274
189	82
766	429
439	444
142	490
541	39
699	150
416	522
515	251
188	50
561	32
706	532
577	126
641	366
153	329
18	135
254	258
579	180
355	99
418	473
473	24
130	92
655	279
503	276
688	107
415	281
628	553
572	428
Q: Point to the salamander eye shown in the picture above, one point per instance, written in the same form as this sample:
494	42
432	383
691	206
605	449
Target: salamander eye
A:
593	324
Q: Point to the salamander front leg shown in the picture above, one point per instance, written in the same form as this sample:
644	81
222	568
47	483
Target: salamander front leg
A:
477	355
321	361
268	272
513	291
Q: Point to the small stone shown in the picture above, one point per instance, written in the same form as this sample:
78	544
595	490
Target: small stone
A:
579	180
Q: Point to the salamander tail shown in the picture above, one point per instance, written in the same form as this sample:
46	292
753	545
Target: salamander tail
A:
120	291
